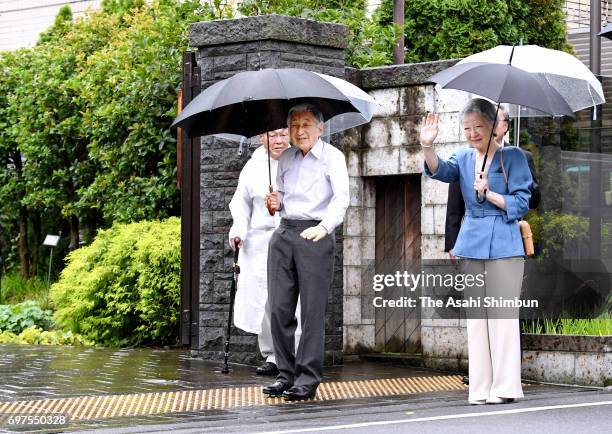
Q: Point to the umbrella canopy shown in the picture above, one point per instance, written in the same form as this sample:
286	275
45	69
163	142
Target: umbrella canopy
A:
606	32
565	73
252	102
505	83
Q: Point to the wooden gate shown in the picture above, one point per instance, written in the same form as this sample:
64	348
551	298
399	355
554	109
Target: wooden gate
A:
398	248
189	184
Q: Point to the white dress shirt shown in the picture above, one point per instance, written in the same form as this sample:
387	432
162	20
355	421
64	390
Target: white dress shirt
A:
315	186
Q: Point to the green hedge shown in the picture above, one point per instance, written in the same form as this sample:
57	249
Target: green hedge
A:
124	288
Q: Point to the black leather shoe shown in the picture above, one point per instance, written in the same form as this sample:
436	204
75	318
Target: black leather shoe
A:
466	380
267	368
276	389
300	393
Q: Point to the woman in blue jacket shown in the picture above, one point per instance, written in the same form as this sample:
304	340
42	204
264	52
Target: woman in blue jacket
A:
490	244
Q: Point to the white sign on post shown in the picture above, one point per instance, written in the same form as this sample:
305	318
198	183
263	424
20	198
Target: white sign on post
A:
51	240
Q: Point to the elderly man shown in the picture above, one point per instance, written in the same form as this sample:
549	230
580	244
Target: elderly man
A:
312	196
254	225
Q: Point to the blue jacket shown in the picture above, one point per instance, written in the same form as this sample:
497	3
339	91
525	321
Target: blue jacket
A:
489	232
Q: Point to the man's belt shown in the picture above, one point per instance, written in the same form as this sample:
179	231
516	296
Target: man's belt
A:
299	223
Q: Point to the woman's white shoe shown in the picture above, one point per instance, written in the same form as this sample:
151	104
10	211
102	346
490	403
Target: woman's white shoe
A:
496	400
477	402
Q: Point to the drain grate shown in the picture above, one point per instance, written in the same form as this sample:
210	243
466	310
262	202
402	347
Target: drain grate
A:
143	404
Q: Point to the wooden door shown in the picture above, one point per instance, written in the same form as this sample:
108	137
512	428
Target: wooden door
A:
398	248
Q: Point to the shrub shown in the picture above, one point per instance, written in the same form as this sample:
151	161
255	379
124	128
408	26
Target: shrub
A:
124	288
36	336
18	317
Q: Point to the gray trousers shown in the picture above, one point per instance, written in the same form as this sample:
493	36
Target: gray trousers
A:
266	346
298	267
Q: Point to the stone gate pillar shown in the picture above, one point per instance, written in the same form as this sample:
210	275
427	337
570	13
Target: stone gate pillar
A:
224	48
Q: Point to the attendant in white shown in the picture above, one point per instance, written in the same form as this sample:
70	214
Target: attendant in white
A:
254	225
312	196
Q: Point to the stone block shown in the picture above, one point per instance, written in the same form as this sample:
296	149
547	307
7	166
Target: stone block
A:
352	280
399	131
367	310
352	310
206	221
416	100
427	220
353	163
352	251
433	192
377	133
554	367
593	369
211	241
355	191
381	161
268	27
439	212
432	247
369	222
211	261
358	339
234	62
450	129
368	248
410	74
442	364
410	160
450	100
222	219
369	193
315	59
388	100
353	221
210	159
450	342
428	340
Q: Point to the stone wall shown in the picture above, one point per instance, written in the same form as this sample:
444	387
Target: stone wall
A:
225	48
584	360
389	146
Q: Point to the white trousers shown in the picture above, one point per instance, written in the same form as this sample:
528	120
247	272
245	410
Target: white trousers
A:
266	347
494	347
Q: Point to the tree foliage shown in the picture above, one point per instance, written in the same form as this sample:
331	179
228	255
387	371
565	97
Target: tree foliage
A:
370	40
84	117
449	29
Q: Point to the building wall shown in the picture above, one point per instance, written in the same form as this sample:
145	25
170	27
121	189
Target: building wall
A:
389	146
21	21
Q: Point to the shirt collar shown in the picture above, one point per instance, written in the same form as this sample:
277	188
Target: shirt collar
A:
317	149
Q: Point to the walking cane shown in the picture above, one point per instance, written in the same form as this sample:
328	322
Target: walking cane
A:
228	335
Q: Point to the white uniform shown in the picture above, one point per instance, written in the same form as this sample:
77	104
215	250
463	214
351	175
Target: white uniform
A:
255	226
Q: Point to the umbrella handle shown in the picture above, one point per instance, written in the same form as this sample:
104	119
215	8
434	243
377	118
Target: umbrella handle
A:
478	198
236	243
270	210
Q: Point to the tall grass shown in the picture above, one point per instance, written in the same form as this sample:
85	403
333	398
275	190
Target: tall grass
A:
15	289
600	326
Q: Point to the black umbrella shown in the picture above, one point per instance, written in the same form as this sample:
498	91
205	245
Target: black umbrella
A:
253	102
